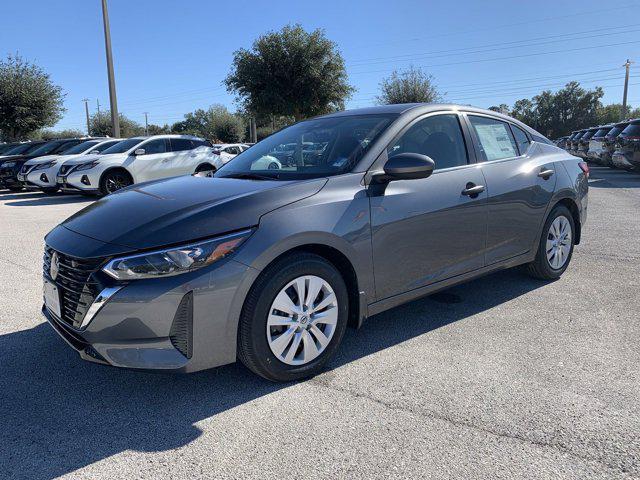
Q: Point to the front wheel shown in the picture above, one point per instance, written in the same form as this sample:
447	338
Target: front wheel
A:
114	180
293	319
49	190
556	245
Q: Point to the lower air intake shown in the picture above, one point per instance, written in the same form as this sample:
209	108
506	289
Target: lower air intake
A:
181	333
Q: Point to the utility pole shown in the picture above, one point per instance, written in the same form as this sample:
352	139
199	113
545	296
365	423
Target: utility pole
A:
115	120
146	123
98	105
86	110
627	64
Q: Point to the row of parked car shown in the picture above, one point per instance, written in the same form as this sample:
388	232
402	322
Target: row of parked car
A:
103	165
616	145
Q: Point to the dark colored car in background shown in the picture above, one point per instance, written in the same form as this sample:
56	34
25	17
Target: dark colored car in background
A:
596	143
562	142
269	266
573	144
627	153
10	166
583	142
5	147
16	153
609	144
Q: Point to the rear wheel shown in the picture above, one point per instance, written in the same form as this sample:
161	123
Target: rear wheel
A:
114	180
555	247
293	319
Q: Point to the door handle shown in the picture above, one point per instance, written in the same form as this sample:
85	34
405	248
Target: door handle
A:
546	173
472	190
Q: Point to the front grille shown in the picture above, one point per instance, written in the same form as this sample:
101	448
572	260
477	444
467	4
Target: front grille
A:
75	283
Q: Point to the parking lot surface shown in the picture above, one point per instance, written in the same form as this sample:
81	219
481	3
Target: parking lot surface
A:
502	377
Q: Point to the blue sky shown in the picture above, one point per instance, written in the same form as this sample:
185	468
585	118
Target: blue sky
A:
171	56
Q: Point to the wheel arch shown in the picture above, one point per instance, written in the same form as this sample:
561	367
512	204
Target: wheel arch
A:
575	213
205	164
115	168
341	262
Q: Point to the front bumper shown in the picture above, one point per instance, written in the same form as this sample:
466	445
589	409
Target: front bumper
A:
42	178
622	160
83	181
136	327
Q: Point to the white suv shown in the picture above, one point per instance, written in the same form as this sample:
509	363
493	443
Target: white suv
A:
135	160
40	172
227	151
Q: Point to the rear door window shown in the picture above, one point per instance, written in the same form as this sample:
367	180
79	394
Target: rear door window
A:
180	144
495	138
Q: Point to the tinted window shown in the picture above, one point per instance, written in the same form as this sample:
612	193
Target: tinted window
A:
46	148
588	135
438	137
496	141
81	147
615	131
22	148
632	130
602	132
103	146
344	140
180	144
522	140
123	146
155	146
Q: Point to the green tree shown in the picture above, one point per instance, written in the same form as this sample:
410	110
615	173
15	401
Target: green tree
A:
100	125
291	72
158	130
557	114
216	123
408	86
502	108
66	133
29	100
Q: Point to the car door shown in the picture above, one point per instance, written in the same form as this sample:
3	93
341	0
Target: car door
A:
520	185
184	159
154	163
427	230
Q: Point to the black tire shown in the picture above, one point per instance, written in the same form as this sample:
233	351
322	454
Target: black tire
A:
50	190
16	189
541	268
253	347
114	180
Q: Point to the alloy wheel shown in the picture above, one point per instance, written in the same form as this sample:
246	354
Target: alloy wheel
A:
302	320
115	182
559	242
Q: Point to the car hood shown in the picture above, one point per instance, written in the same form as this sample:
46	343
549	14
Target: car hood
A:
78	159
45	159
182	209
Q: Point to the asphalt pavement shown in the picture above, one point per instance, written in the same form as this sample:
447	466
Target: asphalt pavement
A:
503	377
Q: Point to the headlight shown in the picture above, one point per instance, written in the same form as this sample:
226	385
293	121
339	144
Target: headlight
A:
43	166
174	261
86	166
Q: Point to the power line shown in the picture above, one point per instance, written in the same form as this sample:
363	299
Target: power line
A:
509	57
502	45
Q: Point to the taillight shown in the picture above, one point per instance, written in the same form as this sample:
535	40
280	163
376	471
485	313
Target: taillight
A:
584	166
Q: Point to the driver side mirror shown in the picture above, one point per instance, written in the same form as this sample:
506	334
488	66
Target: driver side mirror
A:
406	166
139	151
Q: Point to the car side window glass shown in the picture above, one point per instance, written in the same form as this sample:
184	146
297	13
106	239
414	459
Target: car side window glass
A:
521	139
154	146
496	140
180	144
438	137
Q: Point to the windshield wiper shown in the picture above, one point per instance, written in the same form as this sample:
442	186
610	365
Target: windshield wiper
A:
251	176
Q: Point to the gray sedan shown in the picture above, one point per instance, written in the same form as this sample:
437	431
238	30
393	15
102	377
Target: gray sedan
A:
270	265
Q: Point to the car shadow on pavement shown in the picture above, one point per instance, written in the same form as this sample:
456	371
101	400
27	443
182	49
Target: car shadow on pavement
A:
59	413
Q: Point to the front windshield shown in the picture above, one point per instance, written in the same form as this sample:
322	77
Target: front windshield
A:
123	146
79	148
25	147
615	131
46	148
602	132
632	130
313	148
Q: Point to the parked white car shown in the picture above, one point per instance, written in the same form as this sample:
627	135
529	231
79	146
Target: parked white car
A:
40	172
135	160
227	151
